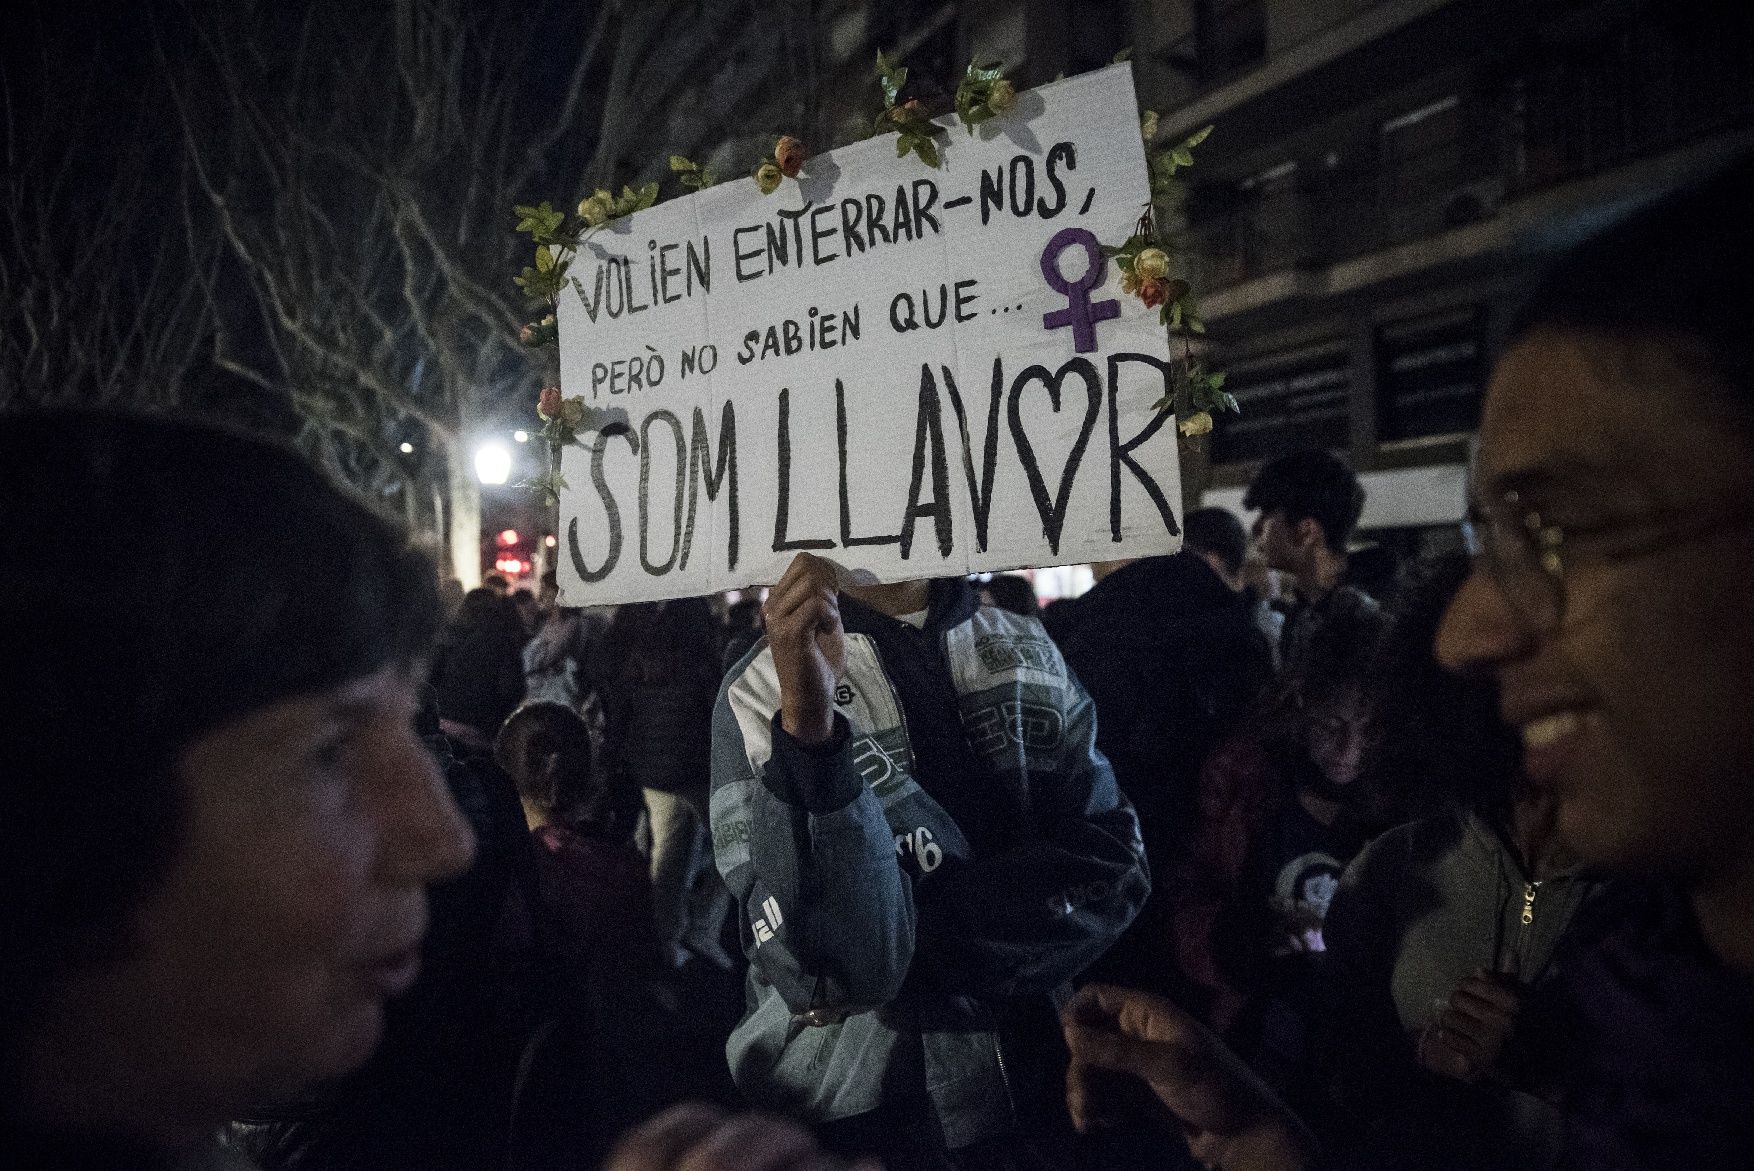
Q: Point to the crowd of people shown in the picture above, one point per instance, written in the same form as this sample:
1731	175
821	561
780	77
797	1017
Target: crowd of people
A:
314	864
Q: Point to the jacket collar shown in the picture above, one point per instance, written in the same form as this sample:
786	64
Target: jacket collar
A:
950	601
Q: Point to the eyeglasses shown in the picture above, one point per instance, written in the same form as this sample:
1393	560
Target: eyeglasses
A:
1526	554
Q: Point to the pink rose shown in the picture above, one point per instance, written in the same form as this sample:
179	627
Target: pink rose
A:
548	402
789	154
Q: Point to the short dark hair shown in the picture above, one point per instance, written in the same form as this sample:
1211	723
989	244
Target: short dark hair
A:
582	796
1681	268
1217	531
1310	485
543	726
217	574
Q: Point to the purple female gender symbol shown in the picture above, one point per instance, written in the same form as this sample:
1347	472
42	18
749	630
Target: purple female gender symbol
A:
1081	313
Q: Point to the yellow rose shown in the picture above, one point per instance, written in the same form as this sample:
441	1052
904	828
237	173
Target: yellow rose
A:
1152	264
594	209
1200	424
767	177
1129	283
1002	97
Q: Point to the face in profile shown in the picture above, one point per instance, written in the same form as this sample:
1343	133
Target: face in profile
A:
1631	698
1276	540
295	903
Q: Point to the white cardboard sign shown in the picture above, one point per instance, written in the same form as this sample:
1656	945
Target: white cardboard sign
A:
911	372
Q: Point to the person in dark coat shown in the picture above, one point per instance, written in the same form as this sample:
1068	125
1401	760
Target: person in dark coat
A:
1171	656
478	669
658	676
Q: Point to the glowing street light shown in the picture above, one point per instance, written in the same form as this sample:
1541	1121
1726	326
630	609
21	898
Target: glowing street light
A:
521	436
493	463
407	449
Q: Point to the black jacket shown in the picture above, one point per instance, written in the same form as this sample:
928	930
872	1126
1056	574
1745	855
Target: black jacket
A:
1171	657
478	671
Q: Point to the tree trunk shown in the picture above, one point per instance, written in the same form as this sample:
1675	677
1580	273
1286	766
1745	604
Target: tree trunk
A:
464	530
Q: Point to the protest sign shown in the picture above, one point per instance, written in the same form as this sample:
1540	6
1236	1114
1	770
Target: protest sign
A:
914	372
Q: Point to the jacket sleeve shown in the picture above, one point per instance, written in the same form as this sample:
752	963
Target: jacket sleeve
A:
1033	915
805	850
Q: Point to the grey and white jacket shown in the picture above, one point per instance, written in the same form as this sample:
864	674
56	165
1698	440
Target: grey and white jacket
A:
888	938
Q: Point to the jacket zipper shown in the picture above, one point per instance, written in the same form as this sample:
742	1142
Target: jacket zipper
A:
1530	891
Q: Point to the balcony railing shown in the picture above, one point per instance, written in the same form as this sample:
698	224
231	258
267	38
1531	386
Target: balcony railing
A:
1650	86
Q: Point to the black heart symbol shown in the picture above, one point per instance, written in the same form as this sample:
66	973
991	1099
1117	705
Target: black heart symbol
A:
1053	512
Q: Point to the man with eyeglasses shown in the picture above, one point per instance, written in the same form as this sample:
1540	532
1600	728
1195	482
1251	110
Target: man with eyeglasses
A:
1611	604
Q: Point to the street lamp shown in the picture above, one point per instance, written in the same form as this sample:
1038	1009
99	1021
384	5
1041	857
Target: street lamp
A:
521	436
493	463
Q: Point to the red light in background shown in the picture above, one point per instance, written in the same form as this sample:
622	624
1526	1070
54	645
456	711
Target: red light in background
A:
509	537
550	541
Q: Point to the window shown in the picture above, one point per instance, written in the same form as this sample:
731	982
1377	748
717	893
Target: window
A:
1430	371
1289	401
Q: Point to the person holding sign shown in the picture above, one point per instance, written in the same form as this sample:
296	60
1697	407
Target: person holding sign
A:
910	809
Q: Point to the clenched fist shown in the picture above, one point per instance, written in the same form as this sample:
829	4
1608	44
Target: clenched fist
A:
802	615
1470	1034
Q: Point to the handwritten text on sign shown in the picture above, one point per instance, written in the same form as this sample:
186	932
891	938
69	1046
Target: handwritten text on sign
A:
914	372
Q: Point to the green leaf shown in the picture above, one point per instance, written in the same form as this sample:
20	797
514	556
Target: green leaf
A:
1175	314
1182	156
1228	402
927	150
1125	54
682	166
544	259
891	75
1216	381
1196	138
903	144
1195	324
648	195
